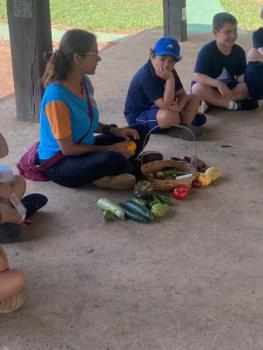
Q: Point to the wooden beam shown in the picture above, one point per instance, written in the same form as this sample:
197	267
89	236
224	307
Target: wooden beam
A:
175	23
30	36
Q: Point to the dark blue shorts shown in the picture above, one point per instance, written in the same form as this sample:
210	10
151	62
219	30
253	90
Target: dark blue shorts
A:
148	119
254	80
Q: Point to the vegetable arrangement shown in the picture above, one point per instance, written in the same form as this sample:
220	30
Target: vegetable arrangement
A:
144	207
147	205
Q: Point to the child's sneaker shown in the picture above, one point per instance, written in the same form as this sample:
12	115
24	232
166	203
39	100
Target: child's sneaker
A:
12	303
199	119
247	105
119	182
33	202
187	132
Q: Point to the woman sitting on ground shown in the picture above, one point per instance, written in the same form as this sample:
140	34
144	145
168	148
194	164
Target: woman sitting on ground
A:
69	118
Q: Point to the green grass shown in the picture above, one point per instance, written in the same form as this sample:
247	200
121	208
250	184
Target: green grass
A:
104	15
246	11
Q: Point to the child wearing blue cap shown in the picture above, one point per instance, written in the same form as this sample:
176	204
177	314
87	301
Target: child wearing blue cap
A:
156	97
254	70
220	67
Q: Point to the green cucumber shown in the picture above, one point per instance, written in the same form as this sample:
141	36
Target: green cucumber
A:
107	204
132	215
138	200
139	210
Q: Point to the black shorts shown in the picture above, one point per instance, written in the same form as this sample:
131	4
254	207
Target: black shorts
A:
254	80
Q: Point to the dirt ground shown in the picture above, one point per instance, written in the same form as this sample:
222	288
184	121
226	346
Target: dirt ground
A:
6	73
192	281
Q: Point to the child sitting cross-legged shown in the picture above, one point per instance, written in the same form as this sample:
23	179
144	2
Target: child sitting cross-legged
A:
220	68
156	97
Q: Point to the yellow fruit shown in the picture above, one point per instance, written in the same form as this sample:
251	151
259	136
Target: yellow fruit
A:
132	147
214	172
204	179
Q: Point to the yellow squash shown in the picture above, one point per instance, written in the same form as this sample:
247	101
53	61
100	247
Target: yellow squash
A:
214	172
204	179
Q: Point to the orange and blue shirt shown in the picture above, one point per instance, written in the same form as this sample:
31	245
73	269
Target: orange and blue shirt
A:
65	113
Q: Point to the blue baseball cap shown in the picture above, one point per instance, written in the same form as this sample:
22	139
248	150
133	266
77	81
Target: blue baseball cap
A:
167	46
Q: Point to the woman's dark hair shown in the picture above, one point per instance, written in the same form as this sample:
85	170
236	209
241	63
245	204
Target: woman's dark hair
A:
59	63
221	18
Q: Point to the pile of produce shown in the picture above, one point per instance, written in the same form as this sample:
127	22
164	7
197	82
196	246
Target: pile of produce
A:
144	207
147	205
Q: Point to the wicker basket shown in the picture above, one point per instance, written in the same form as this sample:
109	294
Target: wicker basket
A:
150	168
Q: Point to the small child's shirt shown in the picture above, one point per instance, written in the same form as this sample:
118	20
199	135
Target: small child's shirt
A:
145	88
63	113
226	68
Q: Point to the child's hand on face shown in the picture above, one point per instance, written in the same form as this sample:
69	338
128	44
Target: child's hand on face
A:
163	72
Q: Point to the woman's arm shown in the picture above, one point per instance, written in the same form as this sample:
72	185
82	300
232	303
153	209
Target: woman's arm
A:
69	148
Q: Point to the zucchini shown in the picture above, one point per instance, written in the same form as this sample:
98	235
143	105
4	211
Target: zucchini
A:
132	215
138	200
140	210
107	204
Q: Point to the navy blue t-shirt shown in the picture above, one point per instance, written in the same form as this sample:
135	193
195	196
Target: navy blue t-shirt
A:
226	68
145	88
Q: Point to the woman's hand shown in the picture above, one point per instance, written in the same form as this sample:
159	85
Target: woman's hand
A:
126	133
121	147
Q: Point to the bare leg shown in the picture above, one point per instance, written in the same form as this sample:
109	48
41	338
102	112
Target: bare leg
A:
167	119
11	282
240	92
210	95
9	214
190	109
17	185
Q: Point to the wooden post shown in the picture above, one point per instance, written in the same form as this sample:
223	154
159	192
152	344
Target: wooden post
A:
175	24
30	36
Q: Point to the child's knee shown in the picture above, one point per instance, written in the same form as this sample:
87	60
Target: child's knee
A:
18	279
167	119
197	88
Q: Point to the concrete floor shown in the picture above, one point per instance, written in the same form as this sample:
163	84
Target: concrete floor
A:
191	281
